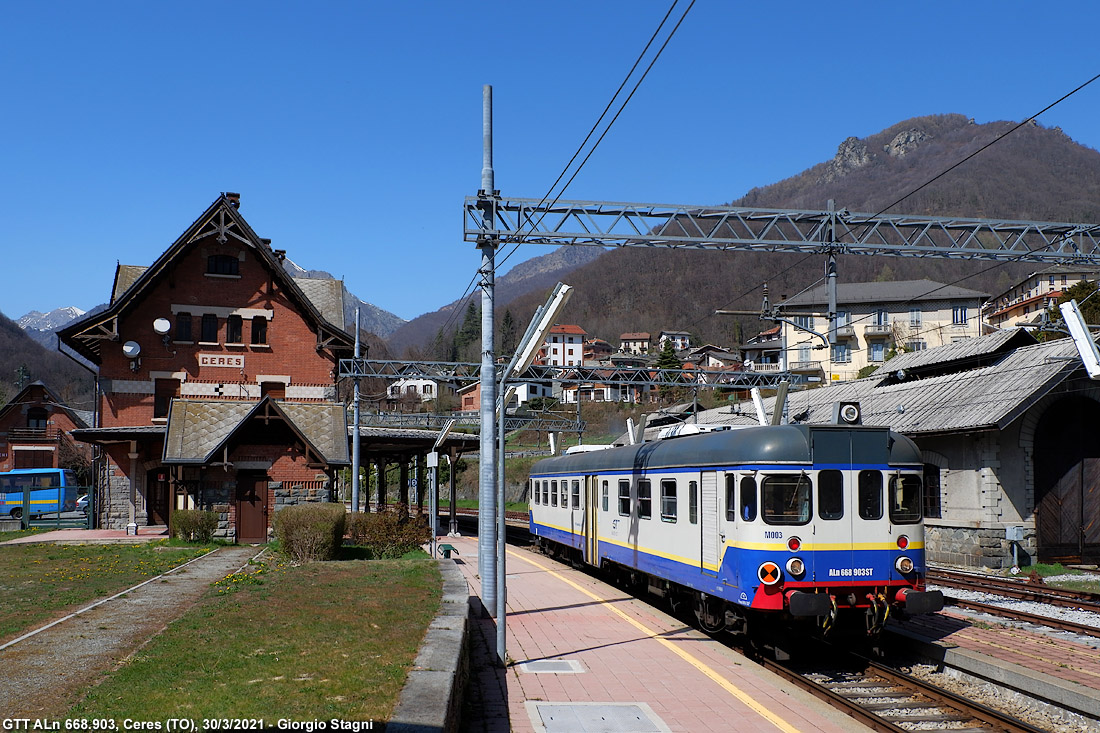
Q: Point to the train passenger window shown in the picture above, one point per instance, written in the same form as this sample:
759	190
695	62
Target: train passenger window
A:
731	497
603	493
534	491
905	499
546	493
786	498
830	494
870	495
645	499
553	493
624	498
748	498
668	500
693	502
576	486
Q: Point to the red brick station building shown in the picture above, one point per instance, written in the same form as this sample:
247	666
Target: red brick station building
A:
216	383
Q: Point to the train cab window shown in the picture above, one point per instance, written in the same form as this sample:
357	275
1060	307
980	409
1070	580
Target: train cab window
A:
576	492
624	498
693	502
786	498
645	499
668	500
603	496
830	494
748	498
905	499
553	493
870	495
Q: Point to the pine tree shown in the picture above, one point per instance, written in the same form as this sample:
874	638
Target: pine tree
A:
667	360
507	333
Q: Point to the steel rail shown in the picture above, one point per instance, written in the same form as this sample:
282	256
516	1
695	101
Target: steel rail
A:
1064	598
1030	618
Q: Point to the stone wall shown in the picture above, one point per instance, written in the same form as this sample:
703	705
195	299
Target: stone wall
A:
976	547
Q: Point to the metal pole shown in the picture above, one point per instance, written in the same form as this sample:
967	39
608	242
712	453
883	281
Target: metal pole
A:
486	537
502	591
355	423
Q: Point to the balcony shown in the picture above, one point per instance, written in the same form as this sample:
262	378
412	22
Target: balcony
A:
845	332
33	435
754	367
804	367
878	329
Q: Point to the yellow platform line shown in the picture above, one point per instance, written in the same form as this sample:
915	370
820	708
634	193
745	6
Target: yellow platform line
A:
689	658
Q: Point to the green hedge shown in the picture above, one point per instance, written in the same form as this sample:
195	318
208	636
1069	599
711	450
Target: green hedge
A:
388	535
194	525
309	532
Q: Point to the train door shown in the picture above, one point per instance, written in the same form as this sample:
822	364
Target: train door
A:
709	557
591	525
837	492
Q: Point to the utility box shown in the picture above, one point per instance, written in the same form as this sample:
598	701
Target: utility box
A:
1014	534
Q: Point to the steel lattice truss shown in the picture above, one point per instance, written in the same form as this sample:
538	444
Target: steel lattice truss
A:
613	224
428	421
461	372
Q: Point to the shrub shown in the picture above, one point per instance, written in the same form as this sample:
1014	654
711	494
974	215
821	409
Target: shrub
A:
309	532
389	535
193	525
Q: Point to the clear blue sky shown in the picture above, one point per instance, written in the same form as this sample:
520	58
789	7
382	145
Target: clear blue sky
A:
353	129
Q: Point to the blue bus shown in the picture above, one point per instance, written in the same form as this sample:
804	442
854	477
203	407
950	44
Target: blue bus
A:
51	490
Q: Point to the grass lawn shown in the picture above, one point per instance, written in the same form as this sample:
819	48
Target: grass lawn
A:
1082	581
322	640
39	582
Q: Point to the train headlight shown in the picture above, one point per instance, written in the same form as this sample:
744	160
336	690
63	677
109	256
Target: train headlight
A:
903	542
903	565
796	567
769	573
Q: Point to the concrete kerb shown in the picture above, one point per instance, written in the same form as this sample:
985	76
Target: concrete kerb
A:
432	697
1068	695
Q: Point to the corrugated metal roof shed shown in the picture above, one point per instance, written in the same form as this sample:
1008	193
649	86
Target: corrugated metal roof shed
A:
959	351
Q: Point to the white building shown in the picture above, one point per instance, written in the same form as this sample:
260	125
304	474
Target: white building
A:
564	346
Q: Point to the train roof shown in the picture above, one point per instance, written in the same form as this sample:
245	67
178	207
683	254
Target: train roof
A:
758	445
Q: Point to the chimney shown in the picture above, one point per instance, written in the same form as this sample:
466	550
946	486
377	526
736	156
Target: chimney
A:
280	254
234	199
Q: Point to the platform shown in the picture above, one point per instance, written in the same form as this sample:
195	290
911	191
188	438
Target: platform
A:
586	656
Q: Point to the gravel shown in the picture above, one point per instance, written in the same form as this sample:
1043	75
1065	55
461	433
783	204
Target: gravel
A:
1086	618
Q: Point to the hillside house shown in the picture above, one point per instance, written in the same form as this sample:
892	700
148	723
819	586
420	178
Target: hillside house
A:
596	351
564	346
1025	301
764	351
35	428
681	340
419	389
217	381
873	320
634	343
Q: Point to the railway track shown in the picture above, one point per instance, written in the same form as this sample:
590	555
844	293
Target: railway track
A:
879	697
1021	590
887	699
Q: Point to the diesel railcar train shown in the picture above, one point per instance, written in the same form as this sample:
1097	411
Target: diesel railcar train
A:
795	524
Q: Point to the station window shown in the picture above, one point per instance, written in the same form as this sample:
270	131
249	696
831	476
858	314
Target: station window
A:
223	265
932	491
624	498
259	330
870	495
604	498
183	327
668	500
905	499
209	328
553	493
645	499
233	329
748	498
786	498
576	493
693	502
830	494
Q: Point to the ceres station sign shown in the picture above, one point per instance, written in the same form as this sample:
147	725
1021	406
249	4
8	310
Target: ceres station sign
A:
232	361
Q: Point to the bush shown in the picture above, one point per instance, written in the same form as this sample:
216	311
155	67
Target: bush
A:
388	535
193	525
310	532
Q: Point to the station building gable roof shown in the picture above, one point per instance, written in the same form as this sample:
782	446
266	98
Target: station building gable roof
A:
899	291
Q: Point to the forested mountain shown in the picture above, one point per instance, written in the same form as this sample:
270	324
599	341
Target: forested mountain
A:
71	382
1034	173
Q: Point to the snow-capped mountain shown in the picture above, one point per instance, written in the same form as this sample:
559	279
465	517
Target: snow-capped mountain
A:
51	321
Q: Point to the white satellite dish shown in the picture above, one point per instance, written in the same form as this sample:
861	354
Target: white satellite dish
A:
131	349
162	326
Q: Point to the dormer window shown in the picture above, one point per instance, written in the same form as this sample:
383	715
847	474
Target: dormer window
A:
223	265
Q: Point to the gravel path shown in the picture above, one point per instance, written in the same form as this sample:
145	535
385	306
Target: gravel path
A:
43	675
